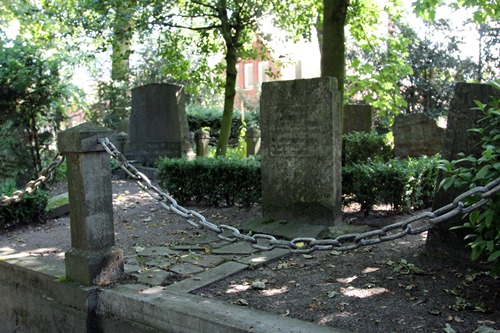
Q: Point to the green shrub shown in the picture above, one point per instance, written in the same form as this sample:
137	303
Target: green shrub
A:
404	184
469	172
360	147
211	180
31	209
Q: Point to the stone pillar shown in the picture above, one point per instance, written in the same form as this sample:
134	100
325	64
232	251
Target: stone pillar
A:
252	139
92	259
202	139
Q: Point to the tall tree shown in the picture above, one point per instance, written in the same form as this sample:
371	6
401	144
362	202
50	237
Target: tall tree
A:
231	24
375	52
333	54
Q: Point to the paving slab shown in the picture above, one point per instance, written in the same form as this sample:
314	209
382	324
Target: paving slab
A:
282	228
264	257
157	251
209	260
208	277
152	277
162	264
189	247
235	248
186	269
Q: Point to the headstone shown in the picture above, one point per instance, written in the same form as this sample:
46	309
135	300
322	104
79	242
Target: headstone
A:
416	135
461	117
357	117
301	124
253	141
158	123
202	139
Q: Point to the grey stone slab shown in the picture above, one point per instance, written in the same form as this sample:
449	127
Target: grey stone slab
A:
357	117
157	251
171	311
162	264
281	228
416	135
57	206
208	277
210	260
301	123
462	116
235	248
132	268
185	247
158	123
152	277
186	269
264	257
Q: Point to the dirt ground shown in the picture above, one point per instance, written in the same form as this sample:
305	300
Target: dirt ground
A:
391	287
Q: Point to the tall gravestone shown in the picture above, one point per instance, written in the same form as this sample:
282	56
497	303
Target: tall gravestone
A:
461	117
416	135
158	123
357	117
301	123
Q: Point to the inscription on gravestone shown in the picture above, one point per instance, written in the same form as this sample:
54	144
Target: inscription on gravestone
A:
416	135
294	131
301	150
158	123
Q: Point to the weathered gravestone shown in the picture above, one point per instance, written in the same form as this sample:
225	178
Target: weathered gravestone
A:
416	135
459	139
301	125
357	117
158	123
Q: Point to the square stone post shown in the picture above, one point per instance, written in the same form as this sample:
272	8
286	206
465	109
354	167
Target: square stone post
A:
92	259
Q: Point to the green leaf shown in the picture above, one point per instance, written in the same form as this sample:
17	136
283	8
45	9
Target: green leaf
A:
494	256
482	172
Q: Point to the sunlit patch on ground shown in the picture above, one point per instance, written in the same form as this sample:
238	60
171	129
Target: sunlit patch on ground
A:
275	291
237	288
347	279
362	292
370	270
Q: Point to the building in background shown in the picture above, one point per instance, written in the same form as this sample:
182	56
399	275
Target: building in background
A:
287	62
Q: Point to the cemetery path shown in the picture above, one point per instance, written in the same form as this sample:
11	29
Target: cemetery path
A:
390	287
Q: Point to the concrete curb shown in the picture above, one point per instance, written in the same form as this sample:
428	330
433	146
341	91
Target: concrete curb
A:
30	289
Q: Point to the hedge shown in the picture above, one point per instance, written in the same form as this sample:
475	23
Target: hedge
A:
213	181
404	184
31	209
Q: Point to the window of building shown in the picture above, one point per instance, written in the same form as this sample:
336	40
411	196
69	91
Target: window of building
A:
263	68
248	69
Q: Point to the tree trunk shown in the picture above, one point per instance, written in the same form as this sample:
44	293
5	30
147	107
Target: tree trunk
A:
122	36
333	55
229	94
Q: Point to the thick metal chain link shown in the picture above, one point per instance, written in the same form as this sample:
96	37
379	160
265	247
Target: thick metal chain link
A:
33	185
411	226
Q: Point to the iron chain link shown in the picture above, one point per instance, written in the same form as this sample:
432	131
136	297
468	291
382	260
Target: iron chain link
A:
411	226
33	185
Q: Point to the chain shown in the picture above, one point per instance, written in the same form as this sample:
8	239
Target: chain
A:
411	226
33	185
